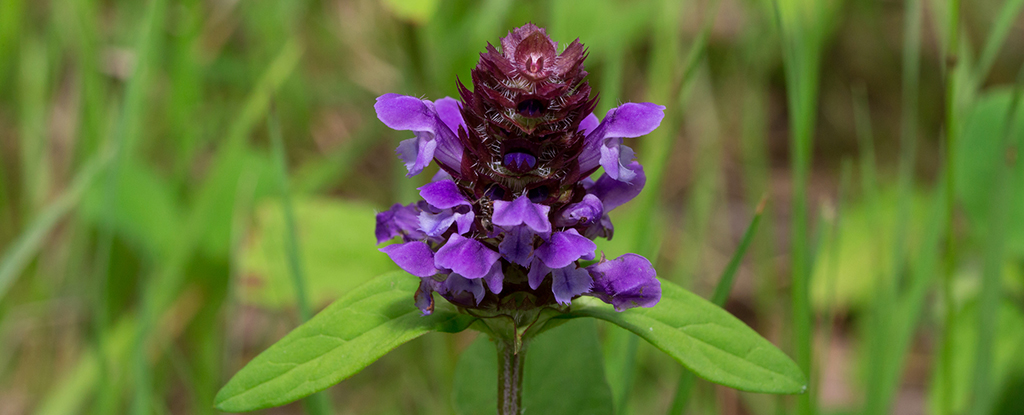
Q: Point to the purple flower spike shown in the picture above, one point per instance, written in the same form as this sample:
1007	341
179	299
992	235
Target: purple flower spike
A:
564	248
433	137
466	257
522	211
513	196
415	258
569	282
626	282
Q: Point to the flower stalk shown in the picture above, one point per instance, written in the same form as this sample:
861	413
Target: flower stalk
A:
510	376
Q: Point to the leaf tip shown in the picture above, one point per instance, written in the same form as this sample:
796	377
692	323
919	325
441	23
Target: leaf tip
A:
222	401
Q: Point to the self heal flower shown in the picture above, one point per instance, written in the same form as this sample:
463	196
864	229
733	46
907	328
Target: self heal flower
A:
453	207
604	142
510	218
626	282
434	137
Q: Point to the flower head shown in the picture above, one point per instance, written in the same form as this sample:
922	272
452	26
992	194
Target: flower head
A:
512	216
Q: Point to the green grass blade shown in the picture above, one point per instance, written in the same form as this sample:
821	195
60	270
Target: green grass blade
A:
24	248
802	33
291	236
149	50
881	385
725	282
952	131
996	38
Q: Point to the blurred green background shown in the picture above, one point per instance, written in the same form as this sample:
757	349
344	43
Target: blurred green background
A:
148	252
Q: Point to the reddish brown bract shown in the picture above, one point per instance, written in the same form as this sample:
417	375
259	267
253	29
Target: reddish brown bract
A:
523	117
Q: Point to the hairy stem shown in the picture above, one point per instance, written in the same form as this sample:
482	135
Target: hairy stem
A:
510	377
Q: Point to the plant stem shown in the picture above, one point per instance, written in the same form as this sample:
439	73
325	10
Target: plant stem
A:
510	377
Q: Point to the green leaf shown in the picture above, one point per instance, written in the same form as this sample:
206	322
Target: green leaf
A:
706	339
563	374
978	149
347	336
331	233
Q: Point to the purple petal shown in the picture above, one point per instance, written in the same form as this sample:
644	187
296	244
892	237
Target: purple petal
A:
457	283
494	278
464	221
435	224
614	193
587	211
414	257
441	175
537	273
433	136
588	124
627	120
517	245
626	282
522	211
610	157
632	119
443	195
406	113
602	228
465	256
449	112
615	157
424	297
416	153
569	282
399	220
564	248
